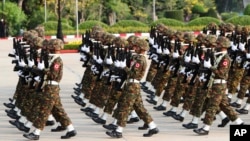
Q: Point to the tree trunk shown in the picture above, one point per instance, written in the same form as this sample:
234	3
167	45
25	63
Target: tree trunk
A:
20	3
112	18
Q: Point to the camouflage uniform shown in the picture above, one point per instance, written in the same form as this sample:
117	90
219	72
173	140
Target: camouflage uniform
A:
218	98
50	100
131	97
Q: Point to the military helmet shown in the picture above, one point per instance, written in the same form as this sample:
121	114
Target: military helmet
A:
223	42
108	38
38	42
55	44
229	27
212	25
188	37
179	35
161	27
40	31
143	44
201	37
132	39
119	42
211	39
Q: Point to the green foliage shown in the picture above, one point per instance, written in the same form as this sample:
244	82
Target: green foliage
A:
175	14
247	10
14	17
52	25
168	22
128	29
89	24
203	21
129	23
239	20
198	9
71	46
36	18
225	16
211	13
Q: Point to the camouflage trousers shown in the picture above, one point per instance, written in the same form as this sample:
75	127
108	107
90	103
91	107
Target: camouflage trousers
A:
88	83
218	101
180	89
244	86
131	99
100	93
170	88
50	103
28	102
190	95
199	103
160	81
151	72
114	97
18	88
234	78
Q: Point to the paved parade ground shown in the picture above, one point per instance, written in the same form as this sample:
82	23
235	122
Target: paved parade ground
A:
88	130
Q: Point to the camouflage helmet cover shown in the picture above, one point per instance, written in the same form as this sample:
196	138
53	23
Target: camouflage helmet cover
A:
223	42
119	42
38	42
40	31
211	39
143	44
188	37
55	44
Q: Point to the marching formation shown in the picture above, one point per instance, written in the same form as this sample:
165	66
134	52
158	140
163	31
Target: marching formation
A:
199	72
36	101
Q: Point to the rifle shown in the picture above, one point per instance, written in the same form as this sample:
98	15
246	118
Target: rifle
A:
43	58
206	71
176	61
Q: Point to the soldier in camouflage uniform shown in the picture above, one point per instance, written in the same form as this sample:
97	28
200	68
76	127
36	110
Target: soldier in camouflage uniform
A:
50	100
146	86
218	85
237	70
191	63
115	95
131	98
162	75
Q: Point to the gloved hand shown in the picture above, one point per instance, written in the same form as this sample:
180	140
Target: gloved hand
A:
109	61
37	78
123	64
189	74
238	59
155	46
187	58
83	57
166	51
176	54
99	60
159	50
182	70
231	43
196	59
162	63
115	78
242	46
105	72
31	63
17	57
21	63
207	64
202	78
40	65
28	78
246	65
155	58
117	63
234	47
20	73
151	41
248	55
171	68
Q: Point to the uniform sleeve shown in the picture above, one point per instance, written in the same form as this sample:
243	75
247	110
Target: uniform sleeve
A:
223	68
55	71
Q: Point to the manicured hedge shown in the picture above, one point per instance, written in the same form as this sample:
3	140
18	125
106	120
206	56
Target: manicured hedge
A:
203	21
240	20
129	23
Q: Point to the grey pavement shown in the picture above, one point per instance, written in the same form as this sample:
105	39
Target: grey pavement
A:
87	130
